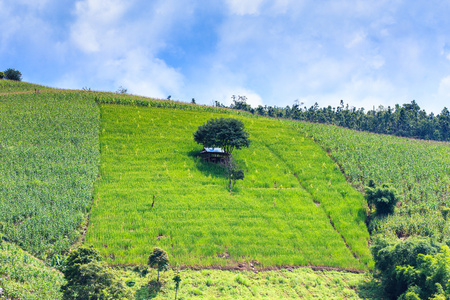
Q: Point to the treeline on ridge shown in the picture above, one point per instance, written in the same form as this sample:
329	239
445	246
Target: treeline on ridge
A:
407	120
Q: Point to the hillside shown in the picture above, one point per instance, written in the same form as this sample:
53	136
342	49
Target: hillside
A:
270	218
419	170
293	208
24	277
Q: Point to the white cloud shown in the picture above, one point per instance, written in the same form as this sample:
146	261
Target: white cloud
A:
357	39
247	7
96	22
444	88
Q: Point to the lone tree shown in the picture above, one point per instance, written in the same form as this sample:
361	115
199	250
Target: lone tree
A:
177	280
225	133
159	259
13	74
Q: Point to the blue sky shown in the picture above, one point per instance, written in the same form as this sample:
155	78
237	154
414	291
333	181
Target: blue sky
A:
367	53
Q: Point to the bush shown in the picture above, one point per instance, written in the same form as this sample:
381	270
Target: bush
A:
2	75
90	278
408	268
383	198
13	74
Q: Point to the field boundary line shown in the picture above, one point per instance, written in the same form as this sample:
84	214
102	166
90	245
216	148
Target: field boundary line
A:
315	201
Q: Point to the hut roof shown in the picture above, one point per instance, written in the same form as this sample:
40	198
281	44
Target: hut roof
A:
212	150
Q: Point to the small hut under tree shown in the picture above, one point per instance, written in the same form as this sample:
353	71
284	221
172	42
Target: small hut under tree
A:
215	155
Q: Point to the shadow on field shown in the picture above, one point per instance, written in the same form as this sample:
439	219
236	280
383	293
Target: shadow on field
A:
207	168
370	288
148	291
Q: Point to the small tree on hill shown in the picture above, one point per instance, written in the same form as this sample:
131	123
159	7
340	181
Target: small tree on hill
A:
233	173
177	280
227	134
13	74
159	259
2	75
383	198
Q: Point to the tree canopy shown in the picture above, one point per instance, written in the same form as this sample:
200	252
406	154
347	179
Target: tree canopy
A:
13	74
225	133
159	259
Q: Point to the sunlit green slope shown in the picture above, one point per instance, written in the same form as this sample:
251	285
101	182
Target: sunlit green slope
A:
293	207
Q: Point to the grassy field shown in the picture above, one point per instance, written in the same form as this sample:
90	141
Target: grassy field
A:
419	170
49	156
24	277
279	215
300	283
12	86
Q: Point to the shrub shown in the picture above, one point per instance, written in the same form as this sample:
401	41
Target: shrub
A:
402	265
2	75
90	278
383	198
13	74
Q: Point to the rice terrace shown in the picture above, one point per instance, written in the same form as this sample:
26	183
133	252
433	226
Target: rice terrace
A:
123	174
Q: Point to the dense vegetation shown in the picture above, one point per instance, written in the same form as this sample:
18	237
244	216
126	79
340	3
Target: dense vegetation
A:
282	213
407	120
49	154
418	170
24	277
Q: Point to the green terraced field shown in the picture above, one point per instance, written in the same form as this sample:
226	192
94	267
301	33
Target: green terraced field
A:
312	216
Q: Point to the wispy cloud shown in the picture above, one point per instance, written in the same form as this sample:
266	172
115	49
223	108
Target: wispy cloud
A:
274	51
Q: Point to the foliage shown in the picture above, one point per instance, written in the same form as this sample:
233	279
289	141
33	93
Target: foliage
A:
177	280
384	198
225	133
2	75
13	74
122	90
406	120
90	278
24	277
48	163
159	259
402	265
233	173
282	214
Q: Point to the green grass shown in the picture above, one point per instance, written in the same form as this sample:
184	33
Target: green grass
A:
419	170
10	86
24	277
301	283
49	156
150	151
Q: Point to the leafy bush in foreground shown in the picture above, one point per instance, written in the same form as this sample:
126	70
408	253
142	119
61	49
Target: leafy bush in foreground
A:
90	278
415	262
